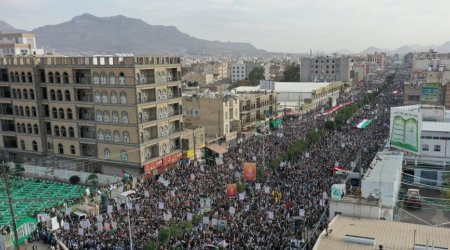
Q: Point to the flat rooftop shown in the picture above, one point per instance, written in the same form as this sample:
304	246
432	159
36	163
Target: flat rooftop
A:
385	169
299	86
389	234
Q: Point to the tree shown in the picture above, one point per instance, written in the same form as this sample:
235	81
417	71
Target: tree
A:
291	73
74	179
18	169
92	180
241	83
255	75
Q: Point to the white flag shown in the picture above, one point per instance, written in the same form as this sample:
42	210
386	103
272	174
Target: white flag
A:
232	210
205	220
258	186
301	213
161	205
270	215
189	216
214	222
80	231
241	196
266	190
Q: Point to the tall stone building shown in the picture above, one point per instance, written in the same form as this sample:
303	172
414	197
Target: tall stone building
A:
106	114
325	69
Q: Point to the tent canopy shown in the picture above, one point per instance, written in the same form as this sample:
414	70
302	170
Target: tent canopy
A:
217	148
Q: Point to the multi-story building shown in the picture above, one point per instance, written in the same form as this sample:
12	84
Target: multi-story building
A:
217	113
200	78
106	114
325	69
218	70
18	44
256	108
238	72
378	58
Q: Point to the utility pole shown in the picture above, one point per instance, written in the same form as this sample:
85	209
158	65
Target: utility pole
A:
4	168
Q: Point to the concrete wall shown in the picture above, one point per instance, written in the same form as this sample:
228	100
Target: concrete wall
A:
350	209
64	175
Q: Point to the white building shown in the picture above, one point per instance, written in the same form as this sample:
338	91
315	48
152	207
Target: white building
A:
238	72
433	157
18	44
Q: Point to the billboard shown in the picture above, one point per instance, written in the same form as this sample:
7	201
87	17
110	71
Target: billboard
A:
429	92
405	130
250	171
232	190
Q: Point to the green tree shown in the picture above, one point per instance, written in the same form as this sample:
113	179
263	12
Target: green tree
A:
291	73
18	169
151	245
255	75
92	180
74	179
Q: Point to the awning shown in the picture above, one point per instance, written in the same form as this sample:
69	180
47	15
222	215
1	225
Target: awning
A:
217	148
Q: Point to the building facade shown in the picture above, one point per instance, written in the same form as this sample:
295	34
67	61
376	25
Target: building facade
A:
218	114
200	78
378	58
218	70
18	44
97	114
325	69
256	108
238	72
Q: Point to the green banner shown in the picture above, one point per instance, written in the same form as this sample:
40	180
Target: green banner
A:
405	131
429	92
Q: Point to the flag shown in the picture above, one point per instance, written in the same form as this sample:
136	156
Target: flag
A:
364	124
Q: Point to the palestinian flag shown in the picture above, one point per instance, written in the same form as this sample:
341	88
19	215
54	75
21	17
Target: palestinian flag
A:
364	124
339	170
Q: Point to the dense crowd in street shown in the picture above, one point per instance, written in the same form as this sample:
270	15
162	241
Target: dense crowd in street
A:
260	217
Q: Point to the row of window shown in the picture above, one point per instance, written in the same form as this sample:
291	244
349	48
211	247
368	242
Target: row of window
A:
28	129
102	79
426	147
62	132
61	148
103	97
106	135
58	95
56	78
97	79
34	145
435	138
22	94
22	77
123	154
20	111
105	117
59	113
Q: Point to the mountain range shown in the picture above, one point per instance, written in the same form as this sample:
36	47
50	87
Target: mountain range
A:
443	48
88	34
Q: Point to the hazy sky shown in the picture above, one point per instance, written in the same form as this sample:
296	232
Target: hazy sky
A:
274	25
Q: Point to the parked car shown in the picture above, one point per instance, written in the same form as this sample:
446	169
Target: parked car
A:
413	198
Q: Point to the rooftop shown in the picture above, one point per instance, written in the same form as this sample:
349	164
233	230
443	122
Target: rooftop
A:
389	234
436	126
299	86
385	168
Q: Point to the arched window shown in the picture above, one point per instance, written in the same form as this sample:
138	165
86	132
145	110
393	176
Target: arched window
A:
52	95
107	135
16	110
104	97
21	111
72	149
50	77
25	94
102	78
24	128
29	129
16	76
27	111
11	77
123	156
65	78
69	114
67	95
107	153
115	117
56	131
30	77
126	137
165	112
113	97
60	149
22	144
98	97
13	93
63	131
61	113
106	116
123	97
122	79
36	129
100	135
160	113
99	116
95	78
35	146
71	132
31	94
112	79
59	95
57	77
33	111
23	77
19	94
116	136
124	117
55	113
18	128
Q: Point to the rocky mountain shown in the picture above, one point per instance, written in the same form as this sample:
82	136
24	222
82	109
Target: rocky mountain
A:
7	28
443	48
87	34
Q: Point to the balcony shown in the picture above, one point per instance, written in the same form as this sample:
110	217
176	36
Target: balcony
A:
148	115
6	109
9	141
86	114
84	95
149	134
83	80
151	152
88	150
88	132
147	96
7	126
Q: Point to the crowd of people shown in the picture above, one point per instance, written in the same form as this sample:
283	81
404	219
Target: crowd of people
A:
261	216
